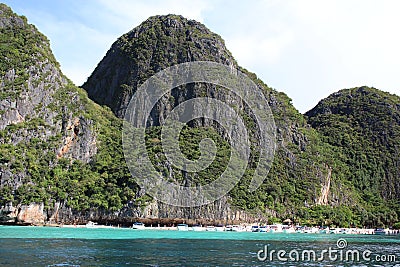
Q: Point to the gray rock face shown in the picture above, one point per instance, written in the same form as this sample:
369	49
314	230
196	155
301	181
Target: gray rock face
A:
7	21
159	42
33	98
163	41
37	105
34	104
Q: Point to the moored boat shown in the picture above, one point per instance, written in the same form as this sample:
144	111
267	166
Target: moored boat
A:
219	228
229	228
211	228
238	228
324	230
182	227
138	226
310	230
299	229
379	231
197	228
275	228
288	229
91	224
350	231
333	231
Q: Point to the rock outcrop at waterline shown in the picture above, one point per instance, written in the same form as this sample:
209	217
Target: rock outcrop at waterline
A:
155	213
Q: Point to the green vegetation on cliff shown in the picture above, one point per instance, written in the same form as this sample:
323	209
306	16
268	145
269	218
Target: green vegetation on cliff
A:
364	125
42	153
302	161
338	165
21	45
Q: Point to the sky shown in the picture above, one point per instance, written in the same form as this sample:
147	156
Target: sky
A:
308	49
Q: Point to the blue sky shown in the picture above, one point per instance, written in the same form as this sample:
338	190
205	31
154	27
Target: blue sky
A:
305	48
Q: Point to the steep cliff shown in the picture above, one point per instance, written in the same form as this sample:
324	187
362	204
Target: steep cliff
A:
363	123
38	104
61	156
49	129
157	43
303	163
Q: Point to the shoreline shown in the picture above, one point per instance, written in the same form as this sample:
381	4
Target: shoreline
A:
244	227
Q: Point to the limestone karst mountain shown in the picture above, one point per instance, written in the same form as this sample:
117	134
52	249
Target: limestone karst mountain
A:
364	125
53	139
61	155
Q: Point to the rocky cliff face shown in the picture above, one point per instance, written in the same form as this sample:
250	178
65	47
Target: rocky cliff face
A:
34	99
364	123
43	117
163	41
61	157
57	145
158	43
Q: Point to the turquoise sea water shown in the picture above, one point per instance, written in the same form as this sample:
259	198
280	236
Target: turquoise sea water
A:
46	246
